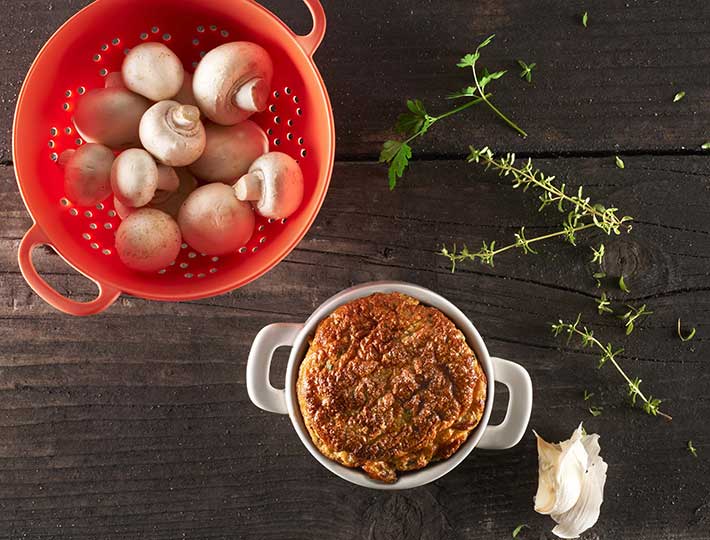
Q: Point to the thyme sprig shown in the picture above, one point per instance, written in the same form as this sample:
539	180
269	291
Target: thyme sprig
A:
633	315
582	214
650	404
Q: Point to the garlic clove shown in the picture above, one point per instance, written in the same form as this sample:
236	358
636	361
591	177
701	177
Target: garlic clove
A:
571	484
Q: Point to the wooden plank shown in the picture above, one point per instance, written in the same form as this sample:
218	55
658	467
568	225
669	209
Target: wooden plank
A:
137	424
604	89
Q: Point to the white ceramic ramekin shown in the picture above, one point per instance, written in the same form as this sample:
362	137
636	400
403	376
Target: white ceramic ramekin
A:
499	437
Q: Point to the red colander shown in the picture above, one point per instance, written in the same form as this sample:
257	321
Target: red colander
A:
93	43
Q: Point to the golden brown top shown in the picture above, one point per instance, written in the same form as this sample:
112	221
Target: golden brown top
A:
389	385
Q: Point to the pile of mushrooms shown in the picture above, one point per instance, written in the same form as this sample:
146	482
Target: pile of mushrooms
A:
178	154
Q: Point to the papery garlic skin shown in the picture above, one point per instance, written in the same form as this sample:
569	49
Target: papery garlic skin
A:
571	483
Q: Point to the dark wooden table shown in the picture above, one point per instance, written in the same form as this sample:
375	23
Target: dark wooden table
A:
136	423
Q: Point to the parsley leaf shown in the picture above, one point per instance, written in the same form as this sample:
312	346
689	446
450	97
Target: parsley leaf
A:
585	19
706	146
619	162
397	154
680	95
415	120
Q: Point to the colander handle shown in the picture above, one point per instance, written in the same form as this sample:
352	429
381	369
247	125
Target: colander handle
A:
34	238
310	42
270	338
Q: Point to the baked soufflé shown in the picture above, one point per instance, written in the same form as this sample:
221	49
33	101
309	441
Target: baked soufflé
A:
389	385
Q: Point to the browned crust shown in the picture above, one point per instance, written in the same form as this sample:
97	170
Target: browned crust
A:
389	385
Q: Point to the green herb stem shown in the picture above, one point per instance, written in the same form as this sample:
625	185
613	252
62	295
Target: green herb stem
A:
495	109
651	405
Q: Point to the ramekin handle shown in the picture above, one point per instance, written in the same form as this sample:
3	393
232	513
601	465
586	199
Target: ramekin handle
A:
107	294
310	42
509	432
270	338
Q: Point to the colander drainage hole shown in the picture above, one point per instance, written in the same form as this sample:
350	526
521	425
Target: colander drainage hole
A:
74	212
64	201
86	236
287	90
53	132
242	250
93	226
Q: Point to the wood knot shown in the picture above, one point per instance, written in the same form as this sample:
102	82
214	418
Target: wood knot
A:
396	516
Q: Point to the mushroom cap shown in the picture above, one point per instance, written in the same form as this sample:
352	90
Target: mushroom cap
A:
280	185
122	210
172	138
171	203
229	151
213	221
110	116
114	80
223	72
87	174
153	70
134	177
185	96
148	240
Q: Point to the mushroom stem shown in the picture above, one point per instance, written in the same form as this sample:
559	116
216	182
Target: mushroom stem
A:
185	117
252	95
250	187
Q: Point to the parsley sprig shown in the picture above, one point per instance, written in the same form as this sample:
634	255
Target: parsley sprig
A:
412	124
581	213
470	60
650	404
417	121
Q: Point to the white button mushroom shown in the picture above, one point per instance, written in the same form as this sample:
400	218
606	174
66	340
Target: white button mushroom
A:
134	177
87	174
173	133
110	116
233	81
122	210
213	221
168	180
148	240
185	96
154	71
114	80
274	184
229	151
170	202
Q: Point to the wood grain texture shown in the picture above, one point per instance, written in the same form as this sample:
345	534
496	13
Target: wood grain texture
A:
606	88
136	423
